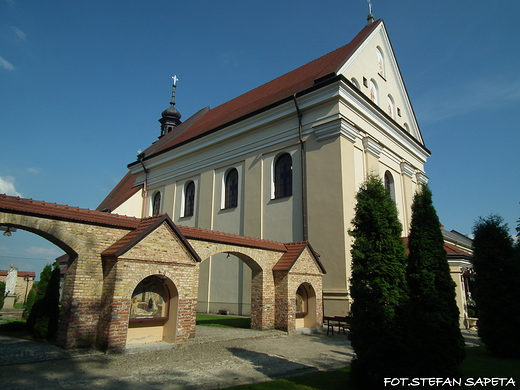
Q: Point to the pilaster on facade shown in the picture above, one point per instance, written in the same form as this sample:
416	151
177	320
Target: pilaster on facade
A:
421	178
407	169
337	127
373	147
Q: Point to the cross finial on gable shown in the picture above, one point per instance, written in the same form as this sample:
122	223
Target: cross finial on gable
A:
370	17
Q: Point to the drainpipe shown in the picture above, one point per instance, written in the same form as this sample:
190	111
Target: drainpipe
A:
145	188
303	162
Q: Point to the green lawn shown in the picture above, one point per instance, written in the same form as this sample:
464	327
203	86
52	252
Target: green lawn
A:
478	367
223	321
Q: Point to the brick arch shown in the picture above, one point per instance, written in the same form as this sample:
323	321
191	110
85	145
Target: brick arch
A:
261	262
50	230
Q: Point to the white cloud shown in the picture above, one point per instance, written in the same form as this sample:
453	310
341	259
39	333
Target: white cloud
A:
475	95
6	64
40	251
34	170
19	33
7	186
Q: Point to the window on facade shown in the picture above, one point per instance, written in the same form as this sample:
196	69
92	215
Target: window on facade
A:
189	199
231	189
283	176
156	206
390	106
149	299
355	82
373	91
380	62
389	184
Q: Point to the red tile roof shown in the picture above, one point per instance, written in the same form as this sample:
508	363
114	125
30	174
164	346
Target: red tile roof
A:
21	274
121	192
37	208
262	97
146	226
450	249
232	239
294	250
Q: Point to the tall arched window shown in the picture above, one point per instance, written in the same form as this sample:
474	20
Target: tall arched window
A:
373	92
283	176
380	62
231	189
390	109
156	209
189	199
389	184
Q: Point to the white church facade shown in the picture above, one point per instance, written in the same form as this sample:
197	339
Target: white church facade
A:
283	162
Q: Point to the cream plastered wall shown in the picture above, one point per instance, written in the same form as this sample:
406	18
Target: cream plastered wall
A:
346	138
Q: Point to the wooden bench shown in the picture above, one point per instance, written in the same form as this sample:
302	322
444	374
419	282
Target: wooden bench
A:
342	323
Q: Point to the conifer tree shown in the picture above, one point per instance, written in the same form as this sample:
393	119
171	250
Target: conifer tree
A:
44	313
436	345
377	287
497	272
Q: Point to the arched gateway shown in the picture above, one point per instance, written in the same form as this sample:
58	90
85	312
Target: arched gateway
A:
135	280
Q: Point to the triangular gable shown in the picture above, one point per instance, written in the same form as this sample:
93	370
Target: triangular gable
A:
146	229
292	257
362	65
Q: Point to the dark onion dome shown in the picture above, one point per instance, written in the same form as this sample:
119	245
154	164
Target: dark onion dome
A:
171	112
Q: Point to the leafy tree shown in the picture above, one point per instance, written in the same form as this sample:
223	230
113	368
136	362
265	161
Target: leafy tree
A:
436	344
2	289
497	271
378	287
44	313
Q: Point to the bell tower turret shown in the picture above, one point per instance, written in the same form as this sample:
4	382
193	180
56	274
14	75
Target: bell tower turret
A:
170	118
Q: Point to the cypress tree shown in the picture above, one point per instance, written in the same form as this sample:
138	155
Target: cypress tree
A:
43	315
497	271
377	287
436	345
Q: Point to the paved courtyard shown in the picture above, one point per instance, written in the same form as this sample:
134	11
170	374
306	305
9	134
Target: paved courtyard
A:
216	358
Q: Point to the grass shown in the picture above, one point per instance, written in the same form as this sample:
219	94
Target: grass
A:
223	321
479	365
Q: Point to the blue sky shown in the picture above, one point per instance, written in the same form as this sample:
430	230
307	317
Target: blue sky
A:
83	83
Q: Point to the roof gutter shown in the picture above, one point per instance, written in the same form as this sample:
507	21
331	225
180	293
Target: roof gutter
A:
303	162
140	158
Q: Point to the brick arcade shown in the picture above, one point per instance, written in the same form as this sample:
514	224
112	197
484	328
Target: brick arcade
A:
110	255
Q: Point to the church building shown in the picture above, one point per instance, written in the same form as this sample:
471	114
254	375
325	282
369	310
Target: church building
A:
283	162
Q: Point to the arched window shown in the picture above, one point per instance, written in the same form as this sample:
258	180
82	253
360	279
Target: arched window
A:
231	189
389	184
373	92
380	62
283	176
405	125
189	199
156	205
390	109
355	82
